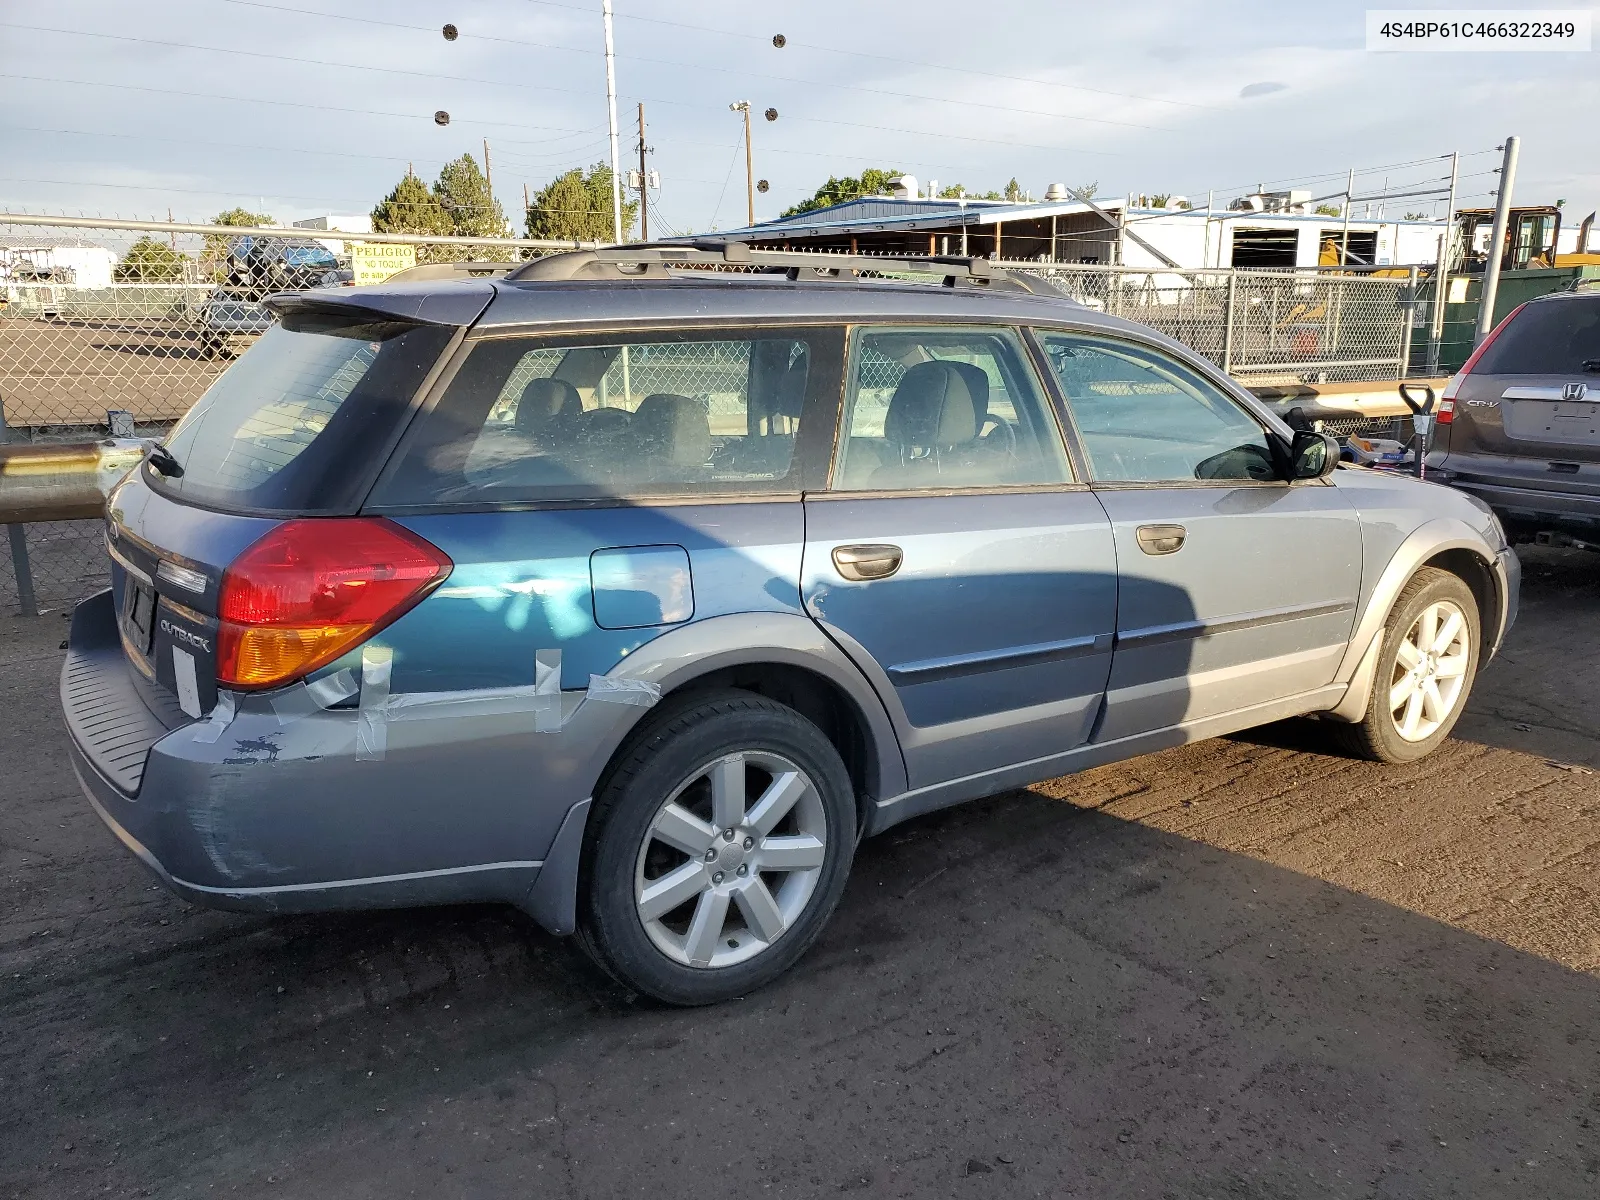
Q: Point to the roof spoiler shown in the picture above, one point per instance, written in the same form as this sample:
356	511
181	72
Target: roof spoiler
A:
654	260
422	302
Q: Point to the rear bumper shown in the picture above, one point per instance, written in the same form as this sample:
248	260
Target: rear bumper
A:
283	816
1532	508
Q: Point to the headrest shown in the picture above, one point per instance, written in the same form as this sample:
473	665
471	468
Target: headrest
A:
545	402
674	428
978	384
933	406
791	397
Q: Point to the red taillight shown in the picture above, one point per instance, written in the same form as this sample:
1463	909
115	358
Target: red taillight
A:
1446	412
310	590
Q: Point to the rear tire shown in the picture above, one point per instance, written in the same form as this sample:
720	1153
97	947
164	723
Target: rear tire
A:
719	846
1426	667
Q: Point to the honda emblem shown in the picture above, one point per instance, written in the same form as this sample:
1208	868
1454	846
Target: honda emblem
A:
1574	391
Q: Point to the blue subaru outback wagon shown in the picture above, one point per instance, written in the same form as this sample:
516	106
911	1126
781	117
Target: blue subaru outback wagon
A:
635	593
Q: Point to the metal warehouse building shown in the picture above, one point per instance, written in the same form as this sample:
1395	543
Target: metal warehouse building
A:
1262	230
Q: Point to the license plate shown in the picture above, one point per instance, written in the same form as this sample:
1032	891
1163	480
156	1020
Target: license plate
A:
139	616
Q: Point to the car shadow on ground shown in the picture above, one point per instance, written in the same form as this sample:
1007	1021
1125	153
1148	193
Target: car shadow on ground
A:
1016	996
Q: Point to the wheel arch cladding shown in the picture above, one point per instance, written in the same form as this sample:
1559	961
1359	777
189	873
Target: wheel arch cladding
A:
1470	567
819	700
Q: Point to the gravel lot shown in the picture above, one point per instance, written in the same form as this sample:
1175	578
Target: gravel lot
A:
1243	968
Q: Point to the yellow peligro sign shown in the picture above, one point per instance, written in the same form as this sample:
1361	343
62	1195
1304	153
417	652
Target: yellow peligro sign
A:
373	262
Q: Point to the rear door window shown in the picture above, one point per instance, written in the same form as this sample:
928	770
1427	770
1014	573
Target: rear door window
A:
1549	337
299	423
946	408
528	419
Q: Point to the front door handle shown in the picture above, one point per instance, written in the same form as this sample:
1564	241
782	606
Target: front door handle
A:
860	563
1161	539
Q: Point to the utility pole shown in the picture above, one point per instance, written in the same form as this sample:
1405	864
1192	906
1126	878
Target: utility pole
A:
749	167
1441	275
611	115
526	205
1349	196
1497	241
488	179
644	182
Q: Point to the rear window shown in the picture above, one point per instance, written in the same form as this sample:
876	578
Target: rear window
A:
1550	337
298	423
530	419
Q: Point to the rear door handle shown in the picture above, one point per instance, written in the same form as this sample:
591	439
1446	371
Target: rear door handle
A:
860	563
1161	539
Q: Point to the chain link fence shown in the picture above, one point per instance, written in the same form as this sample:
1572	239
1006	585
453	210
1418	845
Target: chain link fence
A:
1261	326
117	327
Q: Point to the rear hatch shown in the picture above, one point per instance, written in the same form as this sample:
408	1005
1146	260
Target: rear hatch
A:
1526	407
298	427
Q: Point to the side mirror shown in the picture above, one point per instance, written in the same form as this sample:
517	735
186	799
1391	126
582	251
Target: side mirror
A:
1312	455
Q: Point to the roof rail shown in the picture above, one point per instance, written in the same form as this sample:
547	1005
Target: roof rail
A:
653	260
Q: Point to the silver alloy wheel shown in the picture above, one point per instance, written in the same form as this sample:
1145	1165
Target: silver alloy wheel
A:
731	859
1430	671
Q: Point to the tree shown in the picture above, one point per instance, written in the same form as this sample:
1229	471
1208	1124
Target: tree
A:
577	207
1013	190
411	208
150	261
1327	210
873	182
1416	216
463	192
1084	191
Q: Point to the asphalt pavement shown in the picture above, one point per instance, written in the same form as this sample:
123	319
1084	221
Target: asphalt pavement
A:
1245	968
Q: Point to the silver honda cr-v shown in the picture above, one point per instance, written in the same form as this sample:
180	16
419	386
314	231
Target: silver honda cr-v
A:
1519	424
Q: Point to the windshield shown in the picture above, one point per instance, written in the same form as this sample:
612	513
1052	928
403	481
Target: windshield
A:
298	423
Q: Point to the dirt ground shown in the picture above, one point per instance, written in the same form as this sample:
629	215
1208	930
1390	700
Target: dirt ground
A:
70	371
1241	969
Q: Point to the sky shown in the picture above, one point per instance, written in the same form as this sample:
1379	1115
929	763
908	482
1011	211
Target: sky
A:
312	107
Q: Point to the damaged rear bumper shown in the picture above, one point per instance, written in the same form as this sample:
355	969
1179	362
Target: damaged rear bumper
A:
286	808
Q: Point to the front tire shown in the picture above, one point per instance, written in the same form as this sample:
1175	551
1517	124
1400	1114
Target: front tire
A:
1426	668
720	844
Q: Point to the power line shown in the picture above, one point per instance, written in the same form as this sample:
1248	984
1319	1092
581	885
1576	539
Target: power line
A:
764	75
136	187
890	58
505	83
369	112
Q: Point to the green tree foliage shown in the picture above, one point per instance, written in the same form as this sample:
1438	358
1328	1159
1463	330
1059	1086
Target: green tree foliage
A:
576	206
411	208
1013	190
1416	216
241	216
873	182
1326	210
463	192
150	261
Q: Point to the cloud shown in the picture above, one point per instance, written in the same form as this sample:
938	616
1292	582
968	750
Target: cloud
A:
1265	88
